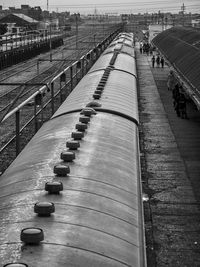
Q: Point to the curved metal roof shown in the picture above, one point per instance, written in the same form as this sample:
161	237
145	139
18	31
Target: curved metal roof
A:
119	94
97	218
122	48
179	46
124	62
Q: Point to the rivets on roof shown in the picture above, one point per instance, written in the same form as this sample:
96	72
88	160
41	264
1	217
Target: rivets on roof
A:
15	264
61	170
84	119
81	126
67	156
44	208
72	144
54	187
32	235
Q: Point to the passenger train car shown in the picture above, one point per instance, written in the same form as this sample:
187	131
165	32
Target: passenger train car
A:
73	195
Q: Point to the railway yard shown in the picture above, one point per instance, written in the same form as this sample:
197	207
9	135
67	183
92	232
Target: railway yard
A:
169	145
20	81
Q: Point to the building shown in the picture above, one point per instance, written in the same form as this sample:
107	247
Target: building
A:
19	22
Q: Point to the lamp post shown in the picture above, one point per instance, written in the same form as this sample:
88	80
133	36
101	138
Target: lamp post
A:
50	41
76	18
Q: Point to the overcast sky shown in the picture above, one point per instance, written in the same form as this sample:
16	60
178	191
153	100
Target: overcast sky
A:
103	6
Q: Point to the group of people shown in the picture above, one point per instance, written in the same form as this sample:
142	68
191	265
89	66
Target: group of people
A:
179	99
146	48
159	60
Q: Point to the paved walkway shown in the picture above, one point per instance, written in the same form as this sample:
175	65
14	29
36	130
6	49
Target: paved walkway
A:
170	160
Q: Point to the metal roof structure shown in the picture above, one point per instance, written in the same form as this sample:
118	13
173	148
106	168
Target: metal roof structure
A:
18	18
26	18
181	48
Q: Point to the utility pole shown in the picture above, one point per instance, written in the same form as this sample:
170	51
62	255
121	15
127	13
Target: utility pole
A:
76	18
50	41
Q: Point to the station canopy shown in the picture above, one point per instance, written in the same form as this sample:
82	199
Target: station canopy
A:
181	47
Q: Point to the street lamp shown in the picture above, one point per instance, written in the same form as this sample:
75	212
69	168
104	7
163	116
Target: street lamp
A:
76	18
50	41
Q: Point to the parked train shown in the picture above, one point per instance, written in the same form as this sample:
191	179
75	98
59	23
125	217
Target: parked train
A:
73	195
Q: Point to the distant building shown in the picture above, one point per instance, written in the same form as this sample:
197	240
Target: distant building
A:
196	22
19	22
156	29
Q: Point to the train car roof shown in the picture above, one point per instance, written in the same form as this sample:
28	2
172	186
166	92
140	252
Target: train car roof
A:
124	61
102	190
121	48
119	95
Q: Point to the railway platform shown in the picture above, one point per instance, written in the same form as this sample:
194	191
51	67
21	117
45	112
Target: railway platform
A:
170	158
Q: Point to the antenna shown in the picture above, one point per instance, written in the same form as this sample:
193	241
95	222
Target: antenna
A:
47	5
183	7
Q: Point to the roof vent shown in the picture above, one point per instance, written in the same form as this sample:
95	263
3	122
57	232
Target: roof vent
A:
88	111
100	87
72	144
61	170
96	96
81	126
44	208
84	119
107	72
32	235
54	187
98	92
67	156
77	135
16	264
93	104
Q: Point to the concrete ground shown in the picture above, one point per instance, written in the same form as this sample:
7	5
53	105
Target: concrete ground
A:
170	157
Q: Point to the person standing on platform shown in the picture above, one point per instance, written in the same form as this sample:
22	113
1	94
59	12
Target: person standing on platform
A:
158	61
171	81
182	104
141	47
176	98
162	62
153	59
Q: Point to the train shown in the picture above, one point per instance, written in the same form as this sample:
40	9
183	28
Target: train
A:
73	196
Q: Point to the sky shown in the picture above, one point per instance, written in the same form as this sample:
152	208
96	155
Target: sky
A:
109	6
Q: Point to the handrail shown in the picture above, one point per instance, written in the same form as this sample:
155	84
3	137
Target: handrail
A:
42	89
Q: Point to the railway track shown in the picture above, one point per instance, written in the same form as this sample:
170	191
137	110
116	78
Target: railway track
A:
28	75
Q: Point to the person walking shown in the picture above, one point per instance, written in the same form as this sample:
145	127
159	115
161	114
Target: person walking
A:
162	62
158	61
153	59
